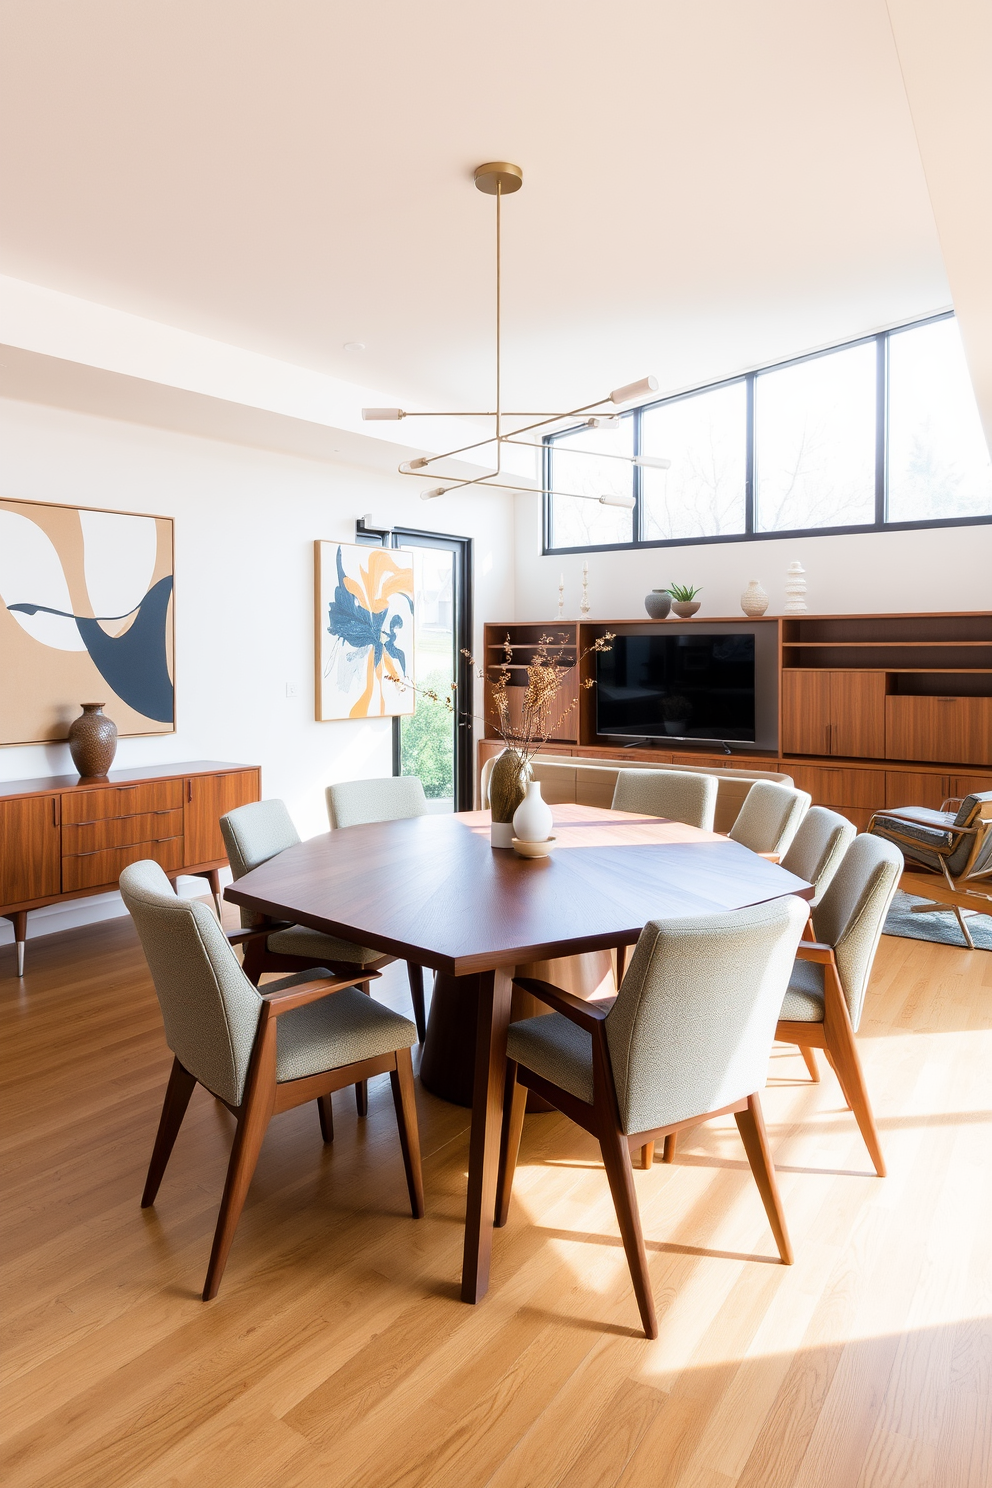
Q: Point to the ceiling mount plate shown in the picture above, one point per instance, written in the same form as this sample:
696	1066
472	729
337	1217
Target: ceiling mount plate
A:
498	174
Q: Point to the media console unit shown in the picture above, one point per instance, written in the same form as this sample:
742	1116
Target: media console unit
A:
65	838
872	710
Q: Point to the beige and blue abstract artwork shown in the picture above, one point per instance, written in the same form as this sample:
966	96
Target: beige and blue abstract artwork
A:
364	631
86	615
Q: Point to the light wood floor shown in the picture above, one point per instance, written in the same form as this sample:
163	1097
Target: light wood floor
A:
338	1355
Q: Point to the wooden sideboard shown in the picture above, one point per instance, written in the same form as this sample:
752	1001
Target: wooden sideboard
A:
873	710
64	838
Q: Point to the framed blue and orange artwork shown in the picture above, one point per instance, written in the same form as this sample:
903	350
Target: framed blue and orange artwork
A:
86	615
364	631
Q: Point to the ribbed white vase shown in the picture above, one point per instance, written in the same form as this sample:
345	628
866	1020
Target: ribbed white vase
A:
532	820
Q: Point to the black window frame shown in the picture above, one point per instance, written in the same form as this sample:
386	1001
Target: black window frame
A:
750	534
462	549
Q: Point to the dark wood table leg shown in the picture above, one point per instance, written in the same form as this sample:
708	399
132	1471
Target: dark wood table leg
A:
487	1123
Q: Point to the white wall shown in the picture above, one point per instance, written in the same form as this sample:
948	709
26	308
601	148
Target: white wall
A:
245	523
947	568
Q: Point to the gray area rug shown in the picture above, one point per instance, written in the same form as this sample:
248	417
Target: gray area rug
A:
942	927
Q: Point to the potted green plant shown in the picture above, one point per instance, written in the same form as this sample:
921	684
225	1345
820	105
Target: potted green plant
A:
684	599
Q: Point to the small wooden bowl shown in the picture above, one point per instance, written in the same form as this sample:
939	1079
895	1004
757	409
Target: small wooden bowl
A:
534	849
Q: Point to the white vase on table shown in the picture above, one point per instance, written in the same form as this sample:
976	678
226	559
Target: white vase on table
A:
532	820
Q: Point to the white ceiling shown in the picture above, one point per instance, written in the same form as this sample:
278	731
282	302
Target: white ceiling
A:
707	185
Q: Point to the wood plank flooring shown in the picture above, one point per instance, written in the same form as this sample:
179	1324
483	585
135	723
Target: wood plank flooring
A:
338	1355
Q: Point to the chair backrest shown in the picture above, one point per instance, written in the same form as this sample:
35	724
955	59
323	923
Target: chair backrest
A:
852	912
255	833
819	846
692	1028
352	802
973	808
973	857
209	1007
679	795
770	817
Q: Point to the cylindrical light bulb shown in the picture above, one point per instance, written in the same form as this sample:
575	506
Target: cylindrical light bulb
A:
652	462
372	414
626	501
429	495
603	421
634	390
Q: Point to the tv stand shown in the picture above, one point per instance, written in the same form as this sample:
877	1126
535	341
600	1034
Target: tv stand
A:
873	710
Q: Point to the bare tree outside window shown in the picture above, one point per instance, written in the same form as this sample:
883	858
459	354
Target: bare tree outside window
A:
702	494
938	461
814	437
579	524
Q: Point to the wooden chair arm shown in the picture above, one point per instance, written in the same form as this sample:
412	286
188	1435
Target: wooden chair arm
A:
587	1015
815	950
240	937
294	997
770	857
902	814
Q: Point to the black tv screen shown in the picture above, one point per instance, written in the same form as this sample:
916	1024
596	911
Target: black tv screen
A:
691	686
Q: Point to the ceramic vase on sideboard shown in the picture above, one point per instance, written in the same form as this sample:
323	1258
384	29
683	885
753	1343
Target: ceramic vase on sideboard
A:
658	603
754	600
92	741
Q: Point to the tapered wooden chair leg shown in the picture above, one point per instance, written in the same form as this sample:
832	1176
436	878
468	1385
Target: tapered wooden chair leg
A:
362	1088
616	1160
248	1138
416	977
404	1099
833	1065
843	1055
751	1125
177	1093
326	1117
647	1154
671	1147
514	1108
809	1058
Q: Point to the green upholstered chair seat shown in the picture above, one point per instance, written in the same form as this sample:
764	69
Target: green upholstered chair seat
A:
298	940
555	1048
804	998
341	1029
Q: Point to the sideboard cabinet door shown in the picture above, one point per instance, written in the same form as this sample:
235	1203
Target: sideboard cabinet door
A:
207	799
30	849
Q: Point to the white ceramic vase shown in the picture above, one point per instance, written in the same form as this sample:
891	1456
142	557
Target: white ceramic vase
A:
795	589
532	820
754	600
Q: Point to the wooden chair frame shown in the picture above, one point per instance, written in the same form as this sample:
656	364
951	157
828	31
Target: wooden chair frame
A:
835	1036
602	1120
919	879
259	959
264	1098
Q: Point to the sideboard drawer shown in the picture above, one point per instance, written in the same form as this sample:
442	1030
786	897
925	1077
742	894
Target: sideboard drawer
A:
120	831
121	800
93	870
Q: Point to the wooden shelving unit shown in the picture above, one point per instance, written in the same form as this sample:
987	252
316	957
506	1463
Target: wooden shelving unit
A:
874	710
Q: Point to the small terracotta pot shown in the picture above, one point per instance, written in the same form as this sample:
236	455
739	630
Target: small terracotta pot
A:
92	741
684	607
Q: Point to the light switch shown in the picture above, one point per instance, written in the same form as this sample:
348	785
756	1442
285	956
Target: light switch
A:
292	690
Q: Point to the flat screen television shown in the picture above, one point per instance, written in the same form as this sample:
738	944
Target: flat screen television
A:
690	686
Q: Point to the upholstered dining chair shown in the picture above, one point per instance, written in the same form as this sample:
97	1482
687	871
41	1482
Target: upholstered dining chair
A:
353	803
826	993
955	842
258	1051
770	818
252	835
674	794
818	848
688	1036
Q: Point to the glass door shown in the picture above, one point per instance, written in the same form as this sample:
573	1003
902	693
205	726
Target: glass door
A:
427	736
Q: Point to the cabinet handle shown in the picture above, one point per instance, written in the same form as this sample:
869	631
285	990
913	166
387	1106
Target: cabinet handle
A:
55	811
189	790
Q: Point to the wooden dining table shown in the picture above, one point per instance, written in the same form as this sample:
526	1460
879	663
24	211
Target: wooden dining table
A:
430	890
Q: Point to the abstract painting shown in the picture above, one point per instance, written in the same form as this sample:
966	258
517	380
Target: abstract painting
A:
364	631
86	615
